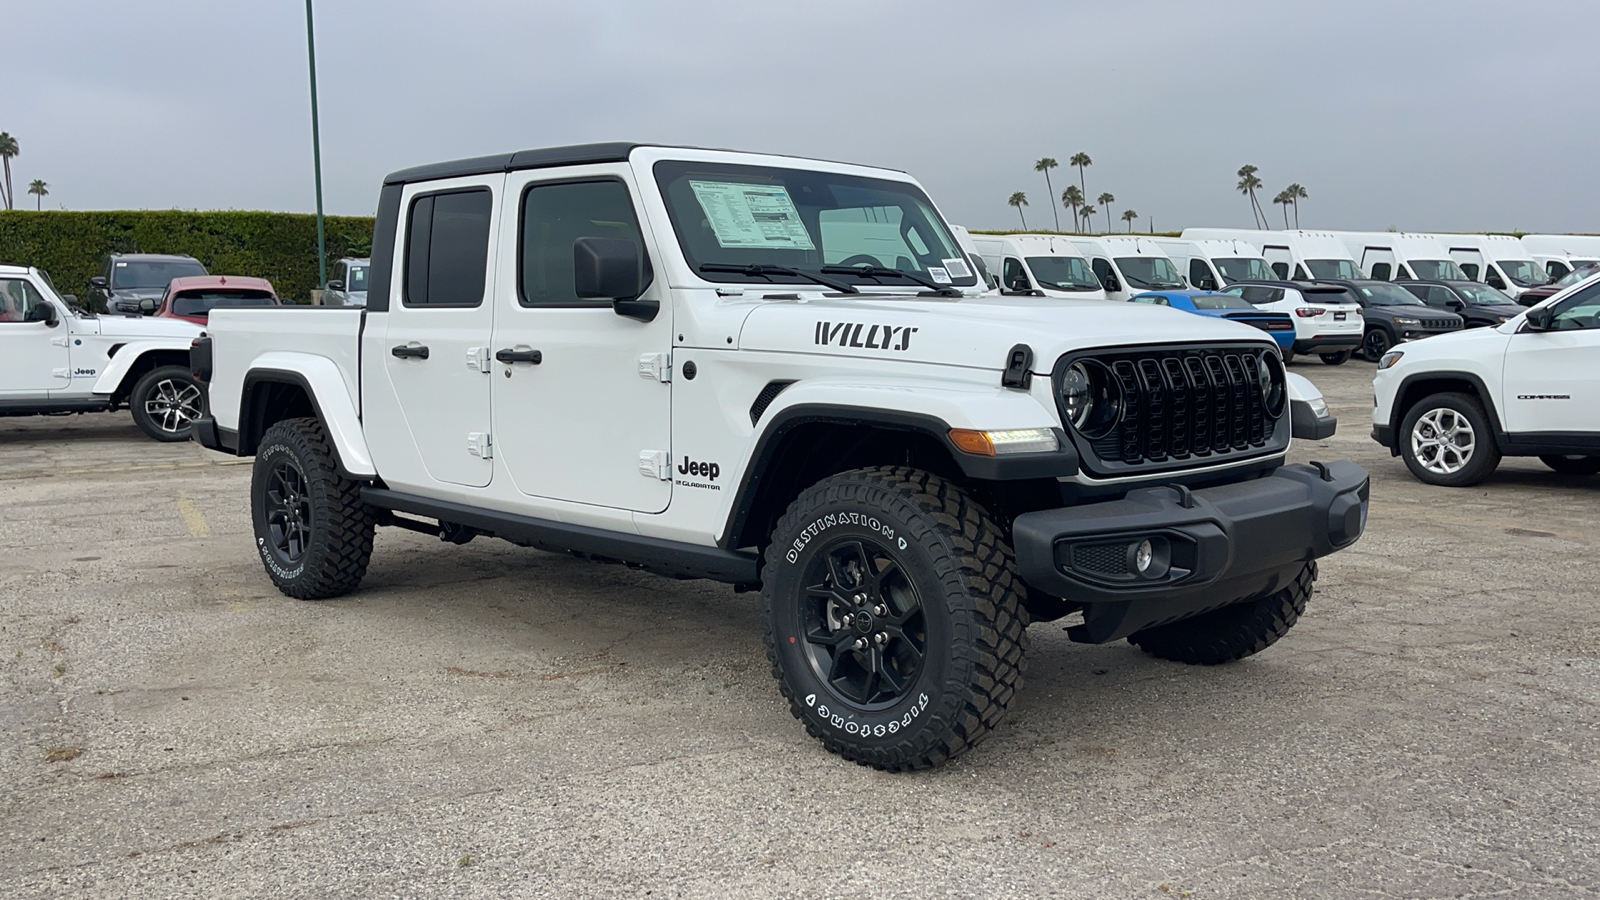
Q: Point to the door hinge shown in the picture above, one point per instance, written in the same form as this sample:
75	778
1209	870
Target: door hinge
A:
61	373
58	341
478	359
655	464
657	366
479	445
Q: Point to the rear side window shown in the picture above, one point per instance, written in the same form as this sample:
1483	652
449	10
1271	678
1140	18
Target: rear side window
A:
447	248
554	216
1259	294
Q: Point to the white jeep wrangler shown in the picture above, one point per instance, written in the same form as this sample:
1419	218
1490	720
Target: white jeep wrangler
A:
1452	405
57	359
784	374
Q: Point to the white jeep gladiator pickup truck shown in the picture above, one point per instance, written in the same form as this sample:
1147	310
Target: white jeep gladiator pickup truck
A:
784	374
56	359
1452	405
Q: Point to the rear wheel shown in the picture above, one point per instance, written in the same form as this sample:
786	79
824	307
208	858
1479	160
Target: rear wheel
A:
1335	359
1573	465
1446	440
312	530
1376	344
165	402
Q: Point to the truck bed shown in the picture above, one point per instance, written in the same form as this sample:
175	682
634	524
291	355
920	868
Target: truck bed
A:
246	339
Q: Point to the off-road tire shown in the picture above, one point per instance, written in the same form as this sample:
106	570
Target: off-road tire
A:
146	390
1335	359
334	556
1573	465
938	540
1485	452
1232	632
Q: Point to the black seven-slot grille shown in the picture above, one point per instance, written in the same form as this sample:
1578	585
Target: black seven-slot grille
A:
1440	324
1187	406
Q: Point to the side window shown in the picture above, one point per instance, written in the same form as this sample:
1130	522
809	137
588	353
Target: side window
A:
1258	294
1491	277
1300	273
1280	269
1400	271
1440	297
1580	313
554	216
1014	276
1380	271
18	298
1471	270
447	248
1554	269
1102	269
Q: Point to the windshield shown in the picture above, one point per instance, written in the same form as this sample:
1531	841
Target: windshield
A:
1482	293
1150	271
1243	268
1342	269
358	279
800	219
200	303
136	274
1524	272
1383	294
1436	269
1220	301
1063	273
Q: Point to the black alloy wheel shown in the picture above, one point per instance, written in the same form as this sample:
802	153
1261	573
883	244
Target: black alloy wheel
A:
1376	344
863	624
288	512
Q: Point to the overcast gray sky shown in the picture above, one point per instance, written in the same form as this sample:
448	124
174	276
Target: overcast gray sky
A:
1462	115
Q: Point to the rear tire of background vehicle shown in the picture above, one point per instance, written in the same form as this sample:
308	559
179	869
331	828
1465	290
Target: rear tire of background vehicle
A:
895	626
1446	440
312	531
1375	344
1288	355
1573	465
165	401
1335	359
1232	632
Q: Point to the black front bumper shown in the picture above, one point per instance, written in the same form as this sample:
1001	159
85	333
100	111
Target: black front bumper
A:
1211	547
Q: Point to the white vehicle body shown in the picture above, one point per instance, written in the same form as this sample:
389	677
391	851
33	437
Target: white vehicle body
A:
57	359
1535	380
1400	256
1049	264
1295	255
1498	260
1211	265
1561	253
1114	259
1325	321
684	359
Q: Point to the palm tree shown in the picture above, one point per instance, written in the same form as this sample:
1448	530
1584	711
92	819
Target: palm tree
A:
1248	182
1074	198
1284	198
1296	194
1105	200
1082	161
1045	165
1128	216
1019	200
8	149
38	188
1087	212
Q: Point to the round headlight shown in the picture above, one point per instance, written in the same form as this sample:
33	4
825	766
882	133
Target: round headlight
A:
1077	395
1091	402
1274	387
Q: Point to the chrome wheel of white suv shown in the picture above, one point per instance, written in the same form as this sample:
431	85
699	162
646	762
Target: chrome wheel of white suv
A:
1443	441
1446	440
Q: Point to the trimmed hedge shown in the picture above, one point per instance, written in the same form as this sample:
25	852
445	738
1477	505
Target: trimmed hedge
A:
280	247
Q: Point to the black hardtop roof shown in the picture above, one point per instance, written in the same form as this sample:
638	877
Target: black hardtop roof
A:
155	256
544	158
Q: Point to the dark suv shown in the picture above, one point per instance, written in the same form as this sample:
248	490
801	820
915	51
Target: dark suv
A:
127	278
1479	304
1394	314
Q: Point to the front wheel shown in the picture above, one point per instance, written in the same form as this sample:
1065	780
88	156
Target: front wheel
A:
1335	359
1232	632
1446	440
1376	344
895	626
165	403
312	530
1573	465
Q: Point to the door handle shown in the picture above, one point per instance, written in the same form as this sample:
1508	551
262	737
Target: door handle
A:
516	356
405	352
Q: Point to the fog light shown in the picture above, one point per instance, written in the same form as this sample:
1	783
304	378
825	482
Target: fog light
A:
1143	556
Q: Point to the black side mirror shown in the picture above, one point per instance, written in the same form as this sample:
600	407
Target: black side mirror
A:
608	268
149	305
43	312
335	284
1207	283
1111	283
99	283
1454	305
1539	319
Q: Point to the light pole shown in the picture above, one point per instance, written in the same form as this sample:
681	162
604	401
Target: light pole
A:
316	152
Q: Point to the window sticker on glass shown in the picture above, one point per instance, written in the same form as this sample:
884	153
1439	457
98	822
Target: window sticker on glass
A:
956	267
938	274
752	215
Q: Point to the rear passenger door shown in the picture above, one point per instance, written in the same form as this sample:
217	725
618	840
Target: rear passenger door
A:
435	347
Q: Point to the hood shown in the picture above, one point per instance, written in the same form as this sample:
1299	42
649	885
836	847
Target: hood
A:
973	331
147	327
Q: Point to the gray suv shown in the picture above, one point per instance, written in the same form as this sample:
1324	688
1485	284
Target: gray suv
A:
127	278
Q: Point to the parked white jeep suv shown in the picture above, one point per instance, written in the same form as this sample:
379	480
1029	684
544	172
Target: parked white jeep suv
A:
1451	406
779	373
57	359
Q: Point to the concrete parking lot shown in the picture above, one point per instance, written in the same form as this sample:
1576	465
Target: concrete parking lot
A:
487	721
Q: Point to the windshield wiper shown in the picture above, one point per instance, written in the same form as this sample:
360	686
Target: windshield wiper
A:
758	270
866	271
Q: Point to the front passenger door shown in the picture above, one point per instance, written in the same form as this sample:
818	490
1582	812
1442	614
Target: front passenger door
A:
1552	378
33	356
